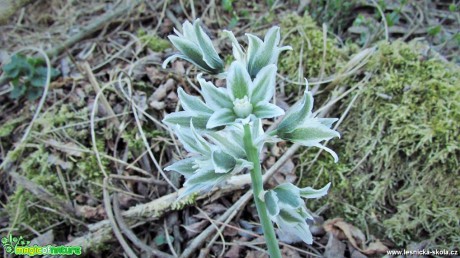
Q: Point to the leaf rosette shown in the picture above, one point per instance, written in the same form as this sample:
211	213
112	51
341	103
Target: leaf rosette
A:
241	98
223	129
210	164
196	47
299	125
287	209
260	53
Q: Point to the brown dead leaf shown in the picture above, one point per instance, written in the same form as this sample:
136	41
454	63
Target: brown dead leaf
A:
154	75
166	26
214	208
289	252
89	212
261	254
195	228
172	97
234	251
126	200
156	100
376	247
345	231
256	254
161	91
334	248
171	101
220	83
157	105
354	253
179	67
286	173
250	254
80	198
101	110
231	231
248	229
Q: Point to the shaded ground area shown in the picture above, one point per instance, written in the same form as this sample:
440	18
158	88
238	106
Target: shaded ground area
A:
83	166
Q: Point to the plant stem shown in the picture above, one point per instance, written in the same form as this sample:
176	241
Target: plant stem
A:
258	189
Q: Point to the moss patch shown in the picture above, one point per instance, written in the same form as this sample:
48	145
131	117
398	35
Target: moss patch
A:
306	40
398	173
60	142
46	154
7	128
153	42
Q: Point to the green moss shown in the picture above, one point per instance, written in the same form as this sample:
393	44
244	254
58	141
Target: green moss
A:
190	200
153	42
398	173
7	128
135	142
37	162
26	212
88	169
25	205
306	39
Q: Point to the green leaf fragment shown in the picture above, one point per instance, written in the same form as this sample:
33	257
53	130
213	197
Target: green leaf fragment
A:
34	93
221	117
184	167
238	81
311	193
182	118
264	85
267	110
222	161
214	97
209	53
288	193
227	143
191	51
311	135
193	104
18	91
271	202
297	113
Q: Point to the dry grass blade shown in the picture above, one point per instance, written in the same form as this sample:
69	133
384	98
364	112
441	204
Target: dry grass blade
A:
136	109
97	89
42	194
93	26
201	238
9	7
113	223
130	234
384	20
93	131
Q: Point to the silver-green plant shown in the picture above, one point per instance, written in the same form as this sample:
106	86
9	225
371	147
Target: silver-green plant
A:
196	47
224	133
